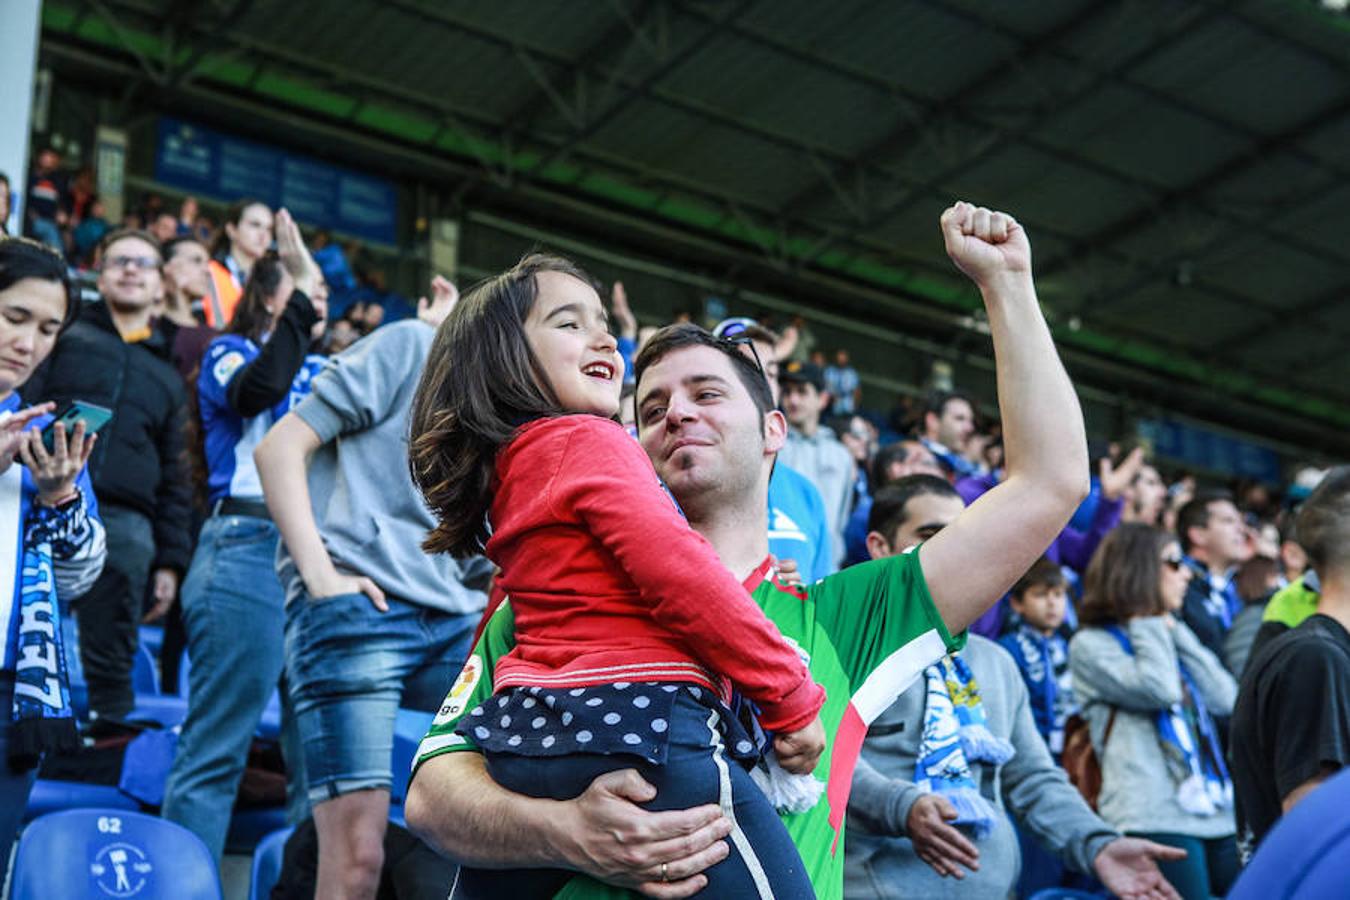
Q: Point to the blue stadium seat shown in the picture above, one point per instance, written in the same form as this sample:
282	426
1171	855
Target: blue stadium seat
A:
112	853
1304	855
152	638
144	674
248	827
50	796
410	726
267	864
166	709
1059	893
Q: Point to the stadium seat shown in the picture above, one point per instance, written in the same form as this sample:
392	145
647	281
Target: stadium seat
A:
1058	893
1304	855
49	796
144	674
112	853
410	726
248	827
152	638
267	864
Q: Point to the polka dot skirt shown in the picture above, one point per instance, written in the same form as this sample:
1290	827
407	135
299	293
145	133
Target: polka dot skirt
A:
623	717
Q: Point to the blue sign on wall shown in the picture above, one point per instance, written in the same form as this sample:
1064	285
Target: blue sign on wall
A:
1210	450
202	161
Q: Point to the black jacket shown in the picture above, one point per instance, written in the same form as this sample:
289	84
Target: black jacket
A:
140	460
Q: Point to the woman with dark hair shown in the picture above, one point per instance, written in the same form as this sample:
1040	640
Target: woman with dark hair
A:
1150	691
232	601
48	519
245	238
629	631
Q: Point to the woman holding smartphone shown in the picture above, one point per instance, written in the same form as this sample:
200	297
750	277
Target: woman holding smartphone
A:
48	515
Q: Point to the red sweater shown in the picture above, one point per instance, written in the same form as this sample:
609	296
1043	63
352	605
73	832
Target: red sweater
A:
579	521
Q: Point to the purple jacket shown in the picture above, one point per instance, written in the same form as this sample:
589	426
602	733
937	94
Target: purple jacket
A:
1072	548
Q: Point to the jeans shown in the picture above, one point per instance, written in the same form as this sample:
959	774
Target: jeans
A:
109	613
233	612
763	861
1209	869
349	667
14	786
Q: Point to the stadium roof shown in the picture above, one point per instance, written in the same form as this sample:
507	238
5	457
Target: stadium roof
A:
1181	167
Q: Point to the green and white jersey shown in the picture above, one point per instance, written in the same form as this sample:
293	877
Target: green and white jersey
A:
868	632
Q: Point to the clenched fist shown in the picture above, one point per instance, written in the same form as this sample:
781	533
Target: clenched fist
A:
798	751
984	244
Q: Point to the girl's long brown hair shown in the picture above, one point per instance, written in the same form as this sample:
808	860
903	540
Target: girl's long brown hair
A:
481	383
1124	579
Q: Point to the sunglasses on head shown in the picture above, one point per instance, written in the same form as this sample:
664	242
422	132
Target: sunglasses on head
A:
743	340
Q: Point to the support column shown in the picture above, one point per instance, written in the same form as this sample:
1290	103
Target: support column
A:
18	59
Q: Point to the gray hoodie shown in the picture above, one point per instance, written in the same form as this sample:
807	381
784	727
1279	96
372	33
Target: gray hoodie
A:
880	860
1138	793
368	510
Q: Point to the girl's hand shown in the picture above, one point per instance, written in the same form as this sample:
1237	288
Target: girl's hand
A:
798	751
55	473
12	432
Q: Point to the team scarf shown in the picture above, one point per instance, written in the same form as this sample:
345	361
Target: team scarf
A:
1044	664
954	734
1190	744
1221	599
43	719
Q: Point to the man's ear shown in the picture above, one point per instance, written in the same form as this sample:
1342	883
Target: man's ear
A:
877	545
775	431
826	400
931	421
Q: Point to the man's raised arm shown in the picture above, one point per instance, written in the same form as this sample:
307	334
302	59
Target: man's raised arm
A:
454	805
972	562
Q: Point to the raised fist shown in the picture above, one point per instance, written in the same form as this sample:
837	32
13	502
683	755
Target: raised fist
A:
985	244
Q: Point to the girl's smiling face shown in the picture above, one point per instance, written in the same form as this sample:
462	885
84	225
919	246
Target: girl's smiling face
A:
568	331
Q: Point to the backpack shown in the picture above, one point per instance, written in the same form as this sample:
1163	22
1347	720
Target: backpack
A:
1079	759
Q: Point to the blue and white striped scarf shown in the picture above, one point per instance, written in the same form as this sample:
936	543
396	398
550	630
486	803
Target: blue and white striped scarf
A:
43	719
955	733
1190	743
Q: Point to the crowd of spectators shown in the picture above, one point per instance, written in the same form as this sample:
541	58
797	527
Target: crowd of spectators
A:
253	497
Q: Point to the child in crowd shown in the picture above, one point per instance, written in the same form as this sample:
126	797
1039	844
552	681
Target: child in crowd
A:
629	631
1039	600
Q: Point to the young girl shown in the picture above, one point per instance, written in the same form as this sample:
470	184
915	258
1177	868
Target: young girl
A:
627	624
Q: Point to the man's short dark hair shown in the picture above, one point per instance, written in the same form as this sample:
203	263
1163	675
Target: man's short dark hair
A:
885	457
678	337
1195	514
121	234
170	247
889	504
1323	522
936	403
1044	572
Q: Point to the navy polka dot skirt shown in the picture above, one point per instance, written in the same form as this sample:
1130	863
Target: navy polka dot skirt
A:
620	718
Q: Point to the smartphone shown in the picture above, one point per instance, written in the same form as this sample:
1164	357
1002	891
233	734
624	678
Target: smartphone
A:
92	415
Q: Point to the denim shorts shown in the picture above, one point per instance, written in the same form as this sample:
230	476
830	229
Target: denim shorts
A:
350	667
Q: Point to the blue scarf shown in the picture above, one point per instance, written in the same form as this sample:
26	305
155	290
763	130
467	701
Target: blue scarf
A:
1190	744
1222	602
1044	664
41	711
955	733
